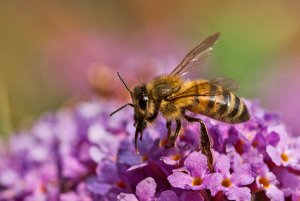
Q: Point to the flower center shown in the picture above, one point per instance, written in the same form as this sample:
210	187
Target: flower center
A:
239	146
114	158
145	157
163	142
284	157
197	181
121	184
176	157
226	182
264	181
42	188
255	143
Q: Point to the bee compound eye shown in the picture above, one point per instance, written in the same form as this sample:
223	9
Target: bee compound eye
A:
142	102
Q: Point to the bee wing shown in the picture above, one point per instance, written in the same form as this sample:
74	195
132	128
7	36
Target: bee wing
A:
214	87
227	83
195	55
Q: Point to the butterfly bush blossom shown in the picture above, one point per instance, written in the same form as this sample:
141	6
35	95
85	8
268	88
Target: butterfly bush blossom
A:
83	154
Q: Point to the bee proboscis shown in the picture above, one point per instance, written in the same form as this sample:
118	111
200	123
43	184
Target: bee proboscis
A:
171	96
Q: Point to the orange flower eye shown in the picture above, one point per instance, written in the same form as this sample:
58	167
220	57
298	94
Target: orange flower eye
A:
284	157
197	181
265	182
176	157
226	182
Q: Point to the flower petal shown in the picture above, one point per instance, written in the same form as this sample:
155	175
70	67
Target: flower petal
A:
126	197
213	182
180	180
222	164
168	196
290	182
145	190
196	164
274	154
273	138
129	158
134	167
103	168
98	187
238	193
296	196
191	196
242	175
275	194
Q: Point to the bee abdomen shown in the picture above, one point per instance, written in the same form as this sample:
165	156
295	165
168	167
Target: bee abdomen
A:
227	107
237	110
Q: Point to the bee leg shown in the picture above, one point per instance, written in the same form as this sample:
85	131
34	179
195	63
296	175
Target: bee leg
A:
173	137
204	141
168	125
135	140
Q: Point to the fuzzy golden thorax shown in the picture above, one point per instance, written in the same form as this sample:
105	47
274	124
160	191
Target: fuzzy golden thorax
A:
148	98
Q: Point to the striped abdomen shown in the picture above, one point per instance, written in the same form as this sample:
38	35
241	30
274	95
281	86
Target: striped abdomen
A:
226	107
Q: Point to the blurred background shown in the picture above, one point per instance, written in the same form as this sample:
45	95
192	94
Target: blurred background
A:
54	53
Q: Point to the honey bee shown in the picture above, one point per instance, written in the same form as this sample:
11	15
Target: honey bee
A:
171	96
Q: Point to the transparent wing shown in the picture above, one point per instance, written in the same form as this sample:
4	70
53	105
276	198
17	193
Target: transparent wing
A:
214	87
195	55
227	83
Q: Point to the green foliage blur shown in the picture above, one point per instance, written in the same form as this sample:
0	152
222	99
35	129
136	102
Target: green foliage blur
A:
256	36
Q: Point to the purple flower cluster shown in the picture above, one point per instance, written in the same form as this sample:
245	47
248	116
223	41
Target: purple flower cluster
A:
82	154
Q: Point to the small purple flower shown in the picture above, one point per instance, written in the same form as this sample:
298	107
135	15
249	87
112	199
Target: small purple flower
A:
174	156
267	181
285	153
231	183
192	175
149	149
109	181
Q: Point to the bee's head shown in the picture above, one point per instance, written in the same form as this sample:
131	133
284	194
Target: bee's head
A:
140	100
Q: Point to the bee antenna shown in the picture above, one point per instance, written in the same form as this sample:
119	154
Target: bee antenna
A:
117	110
124	83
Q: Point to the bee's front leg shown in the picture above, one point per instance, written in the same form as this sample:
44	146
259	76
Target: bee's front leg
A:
204	141
172	137
168	125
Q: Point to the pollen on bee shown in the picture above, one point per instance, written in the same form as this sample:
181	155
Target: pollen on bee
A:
284	157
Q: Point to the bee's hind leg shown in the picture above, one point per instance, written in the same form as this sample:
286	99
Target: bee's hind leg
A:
204	141
172	137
